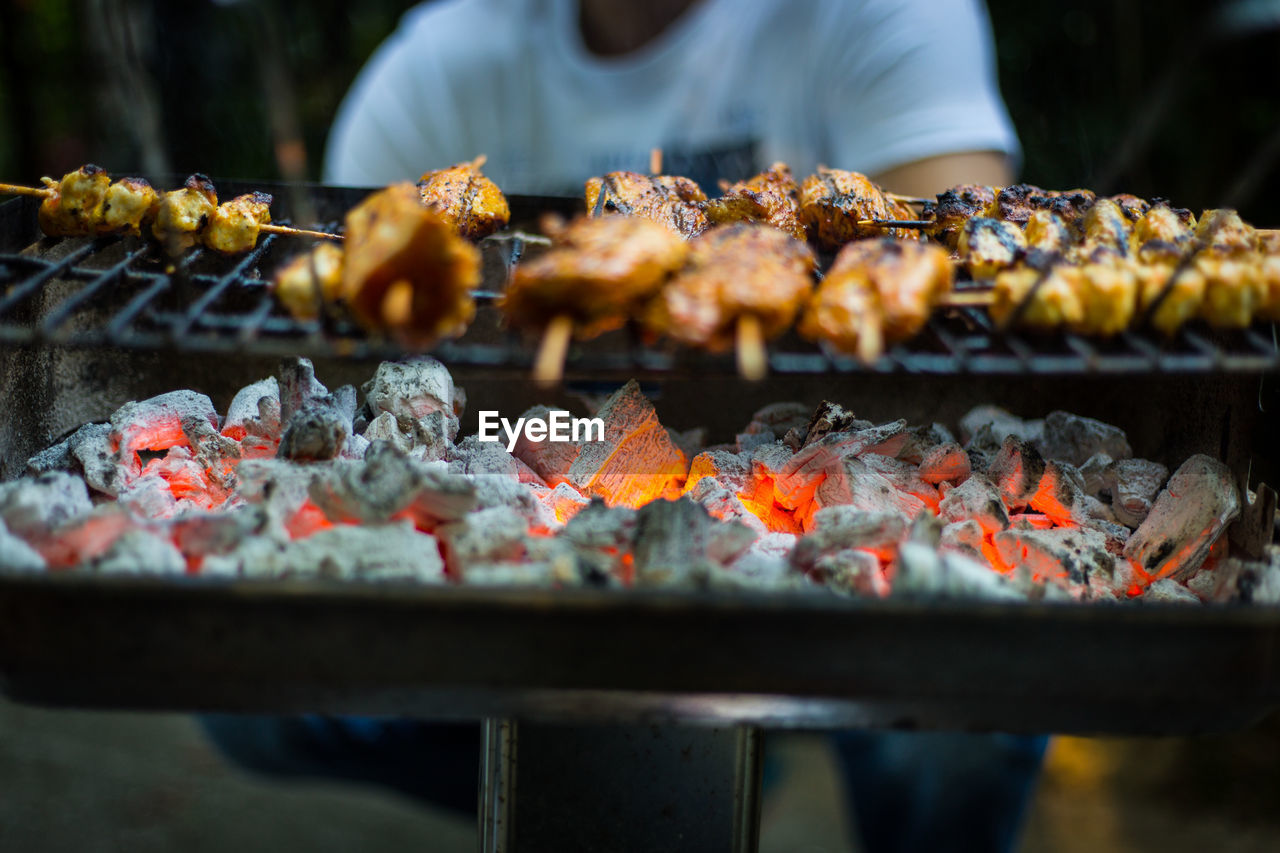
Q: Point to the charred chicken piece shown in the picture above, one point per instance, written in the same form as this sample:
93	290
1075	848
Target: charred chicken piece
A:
771	197
1016	204
310	281
406	269
1223	232
988	246
1234	289
130	203
1269	281
1134	208
1054	303
463	196
183	214
233	226
877	292
833	201
669	200
1106	232
598	273
1047	232
1108	296
1170	225
74	207
954	208
1179	298
746	269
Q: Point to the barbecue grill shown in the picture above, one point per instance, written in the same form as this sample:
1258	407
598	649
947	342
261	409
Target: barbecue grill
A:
87	324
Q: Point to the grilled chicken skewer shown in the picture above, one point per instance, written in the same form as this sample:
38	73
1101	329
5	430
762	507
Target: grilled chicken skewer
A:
466	198
835	205
671	201
743	284
771	197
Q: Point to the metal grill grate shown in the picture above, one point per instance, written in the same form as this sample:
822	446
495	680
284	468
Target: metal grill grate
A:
118	292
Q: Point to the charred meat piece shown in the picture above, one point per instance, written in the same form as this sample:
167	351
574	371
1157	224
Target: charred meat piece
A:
954	208
1166	224
832	202
130	203
988	246
183	214
771	197
464	197
406	270
233	226
1134	208
1179	298
74	208
1016	203
1234	288
309	281
735	270
1109	297
671	201
598	272
1106	232
1047	232
1054	303
877	291
1223	232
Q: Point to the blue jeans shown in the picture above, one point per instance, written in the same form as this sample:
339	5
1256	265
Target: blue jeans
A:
908	791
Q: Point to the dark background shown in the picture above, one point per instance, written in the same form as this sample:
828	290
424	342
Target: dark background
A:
1175	99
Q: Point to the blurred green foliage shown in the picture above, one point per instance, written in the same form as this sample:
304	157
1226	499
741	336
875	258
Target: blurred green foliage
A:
1077	78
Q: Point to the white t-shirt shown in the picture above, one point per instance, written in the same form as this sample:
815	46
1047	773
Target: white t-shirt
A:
729	87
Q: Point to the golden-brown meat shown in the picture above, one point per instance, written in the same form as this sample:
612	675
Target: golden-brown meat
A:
988	246
745	269
833	201
233	226
772	197
1108	296
669	200
954	208
1016	204
877	292
183	214
130	203
1047	232
1166	224
74	208
406	269
1223	232
1055	302
598	273
1234	289
1179	298
463	196
1134	208
1106	233
310	281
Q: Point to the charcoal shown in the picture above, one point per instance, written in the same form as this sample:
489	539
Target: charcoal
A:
1134	485
852	572
945	462
493	490
802	473
827	418
55	457
1247	581
298	388
855	483
425	439
414	389
139	552
1000	425
386	484
527	573
724	504
93	455
156	424
922	572
255	410
758	568
636	462
779	419
963	536
313	435
490	457
770	461
1016	472
1071	438
216	454
1115	536
1169	591
391	552
922	439
551	460
33	506
1060	495
982	449
926	528
1092	472
1073	555
485	536
600	526
16	555
1188	516
202	534
841	528
732	470
85	537
904	476
677	542
976	498
149	497
279	486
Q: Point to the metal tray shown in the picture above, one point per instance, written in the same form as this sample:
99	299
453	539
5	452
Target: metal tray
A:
810	661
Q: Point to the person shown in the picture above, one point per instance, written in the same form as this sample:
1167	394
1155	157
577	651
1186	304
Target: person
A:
553	92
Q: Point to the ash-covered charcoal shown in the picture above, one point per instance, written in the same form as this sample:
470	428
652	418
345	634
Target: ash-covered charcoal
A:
778	419
677	542
550	460
965	536
149	496
827	418
140	552
529	573
414	389
999	424
96	458
83	538
805	470
976	498
946	462
33	506
279	486
424	439
842	528
388	483
1134	485
1060	495
923	572
255	411
1168	591
1071	438
923	439
636	462
758	569
904	476
199	535
313	435
1093	473
16	555
854	483
732	470
216	454
390	552
490	457
492	535
599	526
1016	471
564	502
724	504
1245	581
1074	558
156	424
851	572
1189	515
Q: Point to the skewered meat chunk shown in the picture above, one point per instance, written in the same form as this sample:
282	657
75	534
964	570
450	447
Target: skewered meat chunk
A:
1109	297
1106	232
1269	281
733	271
833	201
233	226
184	213
1056	302
1184	296
1016	204
772	197
406	269
1131	206
466	198
1233	289
988	246
129	204
598	272
1047	232
877	292
669	200
954	208
1223	232
310	280
1166	224
74	208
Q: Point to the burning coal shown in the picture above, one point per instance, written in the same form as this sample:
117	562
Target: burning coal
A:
296	480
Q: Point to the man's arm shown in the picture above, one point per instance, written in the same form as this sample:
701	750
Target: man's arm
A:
932	175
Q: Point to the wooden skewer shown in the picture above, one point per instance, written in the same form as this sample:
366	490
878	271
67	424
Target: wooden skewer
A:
548	365
36	192
870	337
479	161
753	360
655	161
299	232
898	223
970	299
907	199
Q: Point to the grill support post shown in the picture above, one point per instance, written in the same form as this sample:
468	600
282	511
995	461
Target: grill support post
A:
553	787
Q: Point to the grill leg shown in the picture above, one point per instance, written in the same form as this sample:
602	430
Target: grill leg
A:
618	788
